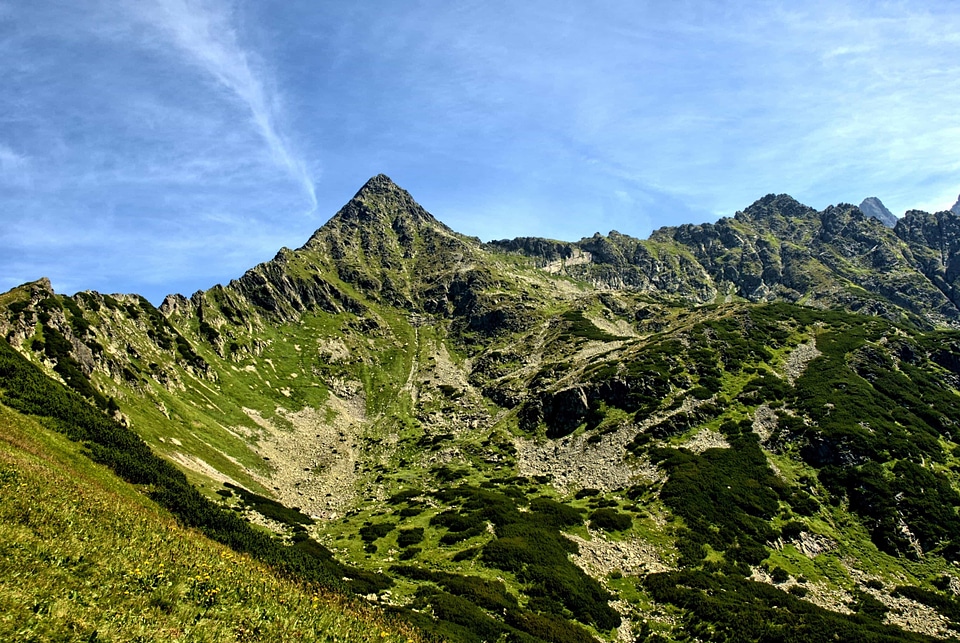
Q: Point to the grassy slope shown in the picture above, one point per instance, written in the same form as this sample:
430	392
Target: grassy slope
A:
385	358
84	555
383	385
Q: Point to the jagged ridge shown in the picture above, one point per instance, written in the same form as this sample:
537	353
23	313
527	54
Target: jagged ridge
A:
779	249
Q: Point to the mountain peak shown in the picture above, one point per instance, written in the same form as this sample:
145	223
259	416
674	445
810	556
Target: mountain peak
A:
382	200
378	184
956	206
773	205
874	207
382	218
43	283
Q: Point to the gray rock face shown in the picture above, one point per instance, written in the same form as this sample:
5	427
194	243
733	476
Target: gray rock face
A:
547	249
934	240
956	206
873	207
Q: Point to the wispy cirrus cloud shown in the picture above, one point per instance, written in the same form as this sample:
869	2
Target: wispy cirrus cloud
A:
178	140
125	130
14	168
205	33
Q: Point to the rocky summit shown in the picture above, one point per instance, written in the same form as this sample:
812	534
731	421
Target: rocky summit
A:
874	207
742	430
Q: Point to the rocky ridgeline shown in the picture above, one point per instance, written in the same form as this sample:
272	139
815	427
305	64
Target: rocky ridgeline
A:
384	248
779	249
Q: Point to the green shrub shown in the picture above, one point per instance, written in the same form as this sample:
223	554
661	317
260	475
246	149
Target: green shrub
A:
726	496
18	307
866	605
733	608
489	594
779	575
579	326
409	553
555	513
412	510
461	611
404	496
702	392
80	326
610	520
466	554
548	627
942	582
456	521
291	516
448	474
375	531
454	537
209	333
50	304
407	537
792	530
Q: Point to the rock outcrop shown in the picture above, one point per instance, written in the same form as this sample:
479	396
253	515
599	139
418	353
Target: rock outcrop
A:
874	207
780	249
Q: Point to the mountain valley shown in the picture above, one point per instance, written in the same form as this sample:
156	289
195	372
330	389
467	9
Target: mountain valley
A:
744	430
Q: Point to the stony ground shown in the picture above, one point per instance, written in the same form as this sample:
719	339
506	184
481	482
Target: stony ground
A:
798	360
314	462
599	556
575	462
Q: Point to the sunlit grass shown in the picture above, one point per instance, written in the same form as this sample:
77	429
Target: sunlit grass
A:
83	556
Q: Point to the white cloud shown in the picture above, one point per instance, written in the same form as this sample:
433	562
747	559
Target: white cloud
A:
14	168
204	32
846	50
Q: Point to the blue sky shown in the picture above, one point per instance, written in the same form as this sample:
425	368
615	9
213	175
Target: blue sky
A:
158	146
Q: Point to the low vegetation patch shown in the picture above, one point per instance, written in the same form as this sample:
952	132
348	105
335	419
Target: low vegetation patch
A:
84	556
609	519
720	607
26	389
290	516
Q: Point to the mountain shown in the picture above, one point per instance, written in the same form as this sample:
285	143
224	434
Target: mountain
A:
956	207
873	207
102	562
739	430
778	250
